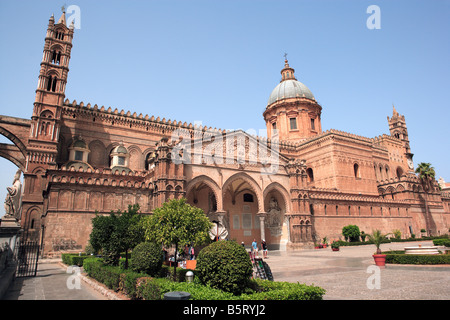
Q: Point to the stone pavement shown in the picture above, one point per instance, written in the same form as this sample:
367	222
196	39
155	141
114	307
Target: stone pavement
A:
51	283
342	274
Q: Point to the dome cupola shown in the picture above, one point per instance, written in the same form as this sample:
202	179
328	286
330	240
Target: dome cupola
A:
289	87
292	113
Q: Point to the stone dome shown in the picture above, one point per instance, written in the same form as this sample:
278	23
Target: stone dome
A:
290	88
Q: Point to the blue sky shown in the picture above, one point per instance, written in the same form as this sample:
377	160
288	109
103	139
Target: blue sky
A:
218	61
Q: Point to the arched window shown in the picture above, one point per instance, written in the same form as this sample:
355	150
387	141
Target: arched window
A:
56	57
399	172
356	170
310	174
59	35
51	83
248	197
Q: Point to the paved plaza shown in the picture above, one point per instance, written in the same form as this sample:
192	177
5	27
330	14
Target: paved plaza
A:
343	274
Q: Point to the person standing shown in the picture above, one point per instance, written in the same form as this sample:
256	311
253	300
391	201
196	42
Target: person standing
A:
191	252
264	248
254	248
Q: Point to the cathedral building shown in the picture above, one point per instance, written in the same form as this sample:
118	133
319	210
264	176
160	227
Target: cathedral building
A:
292	188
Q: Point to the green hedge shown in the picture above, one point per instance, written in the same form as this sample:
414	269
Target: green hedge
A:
272	290
399	257
141	286
359	243
74	259
442	242
115	278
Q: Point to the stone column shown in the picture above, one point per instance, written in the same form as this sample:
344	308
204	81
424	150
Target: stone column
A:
262	216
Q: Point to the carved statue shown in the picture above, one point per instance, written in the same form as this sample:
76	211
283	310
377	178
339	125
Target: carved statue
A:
273	220
13	203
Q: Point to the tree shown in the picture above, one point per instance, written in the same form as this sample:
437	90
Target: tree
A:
351	232
427	175
377	238
116	233
177	223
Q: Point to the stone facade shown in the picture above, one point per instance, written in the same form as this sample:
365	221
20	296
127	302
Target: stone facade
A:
298	186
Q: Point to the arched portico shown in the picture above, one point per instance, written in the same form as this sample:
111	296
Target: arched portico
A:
276	205
243	205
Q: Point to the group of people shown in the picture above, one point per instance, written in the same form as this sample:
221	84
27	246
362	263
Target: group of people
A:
255	249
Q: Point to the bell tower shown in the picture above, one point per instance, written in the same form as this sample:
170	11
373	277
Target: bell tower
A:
50	92
42	148
398	129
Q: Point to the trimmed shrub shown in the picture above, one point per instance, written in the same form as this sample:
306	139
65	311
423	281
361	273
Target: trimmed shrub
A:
141	286
108	275
196	289
270	290
351	232
441	242
129	282
148	289
73	259
224	265
398	257
147	258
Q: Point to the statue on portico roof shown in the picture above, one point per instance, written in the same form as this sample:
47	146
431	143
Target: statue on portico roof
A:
13	201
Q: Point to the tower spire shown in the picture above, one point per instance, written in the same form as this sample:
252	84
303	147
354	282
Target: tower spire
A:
63	16
287	73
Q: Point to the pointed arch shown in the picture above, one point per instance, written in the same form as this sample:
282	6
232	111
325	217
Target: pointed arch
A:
211	184
282	190
251	182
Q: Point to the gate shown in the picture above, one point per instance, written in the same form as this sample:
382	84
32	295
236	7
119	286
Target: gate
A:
27	255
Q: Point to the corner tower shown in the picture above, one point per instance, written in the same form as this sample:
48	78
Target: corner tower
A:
50	92
398	129
292	112
42	147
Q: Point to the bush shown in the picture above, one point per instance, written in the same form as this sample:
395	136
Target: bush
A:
197	290
441	242
129	282
269	290
351	232
141	286
148	289
147	258
73	259
398	257
224	265
108	275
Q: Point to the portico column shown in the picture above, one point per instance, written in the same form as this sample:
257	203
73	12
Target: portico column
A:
262	216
